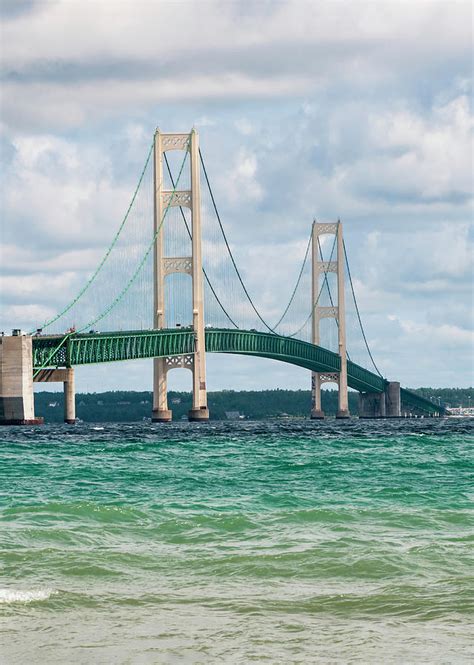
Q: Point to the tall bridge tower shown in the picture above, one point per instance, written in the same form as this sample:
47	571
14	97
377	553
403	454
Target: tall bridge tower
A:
166	265
336	312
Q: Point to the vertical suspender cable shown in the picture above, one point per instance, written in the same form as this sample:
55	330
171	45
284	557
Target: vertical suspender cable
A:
296	285
229	250
132	279
329	290
189	234
107	253
358	313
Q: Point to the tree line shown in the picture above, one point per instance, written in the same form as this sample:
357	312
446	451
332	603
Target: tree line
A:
128	406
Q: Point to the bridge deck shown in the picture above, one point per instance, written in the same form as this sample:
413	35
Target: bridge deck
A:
83	349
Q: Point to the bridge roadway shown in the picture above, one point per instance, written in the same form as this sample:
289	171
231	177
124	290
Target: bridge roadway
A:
91	348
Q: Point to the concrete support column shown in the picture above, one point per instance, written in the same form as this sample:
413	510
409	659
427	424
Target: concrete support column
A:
343	410
160	413
199	411
16	381
69	398
65	375
393	400
317	412
372	405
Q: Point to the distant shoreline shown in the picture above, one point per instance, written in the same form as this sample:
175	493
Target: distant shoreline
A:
128	406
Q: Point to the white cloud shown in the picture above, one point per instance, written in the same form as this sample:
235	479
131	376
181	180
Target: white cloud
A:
244	126
430	158
418	257
150	30
22	316
97	100
359	110
241	183
62	67
17	260
449	335
64	192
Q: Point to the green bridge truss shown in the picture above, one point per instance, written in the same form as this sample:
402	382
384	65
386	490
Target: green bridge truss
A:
86	349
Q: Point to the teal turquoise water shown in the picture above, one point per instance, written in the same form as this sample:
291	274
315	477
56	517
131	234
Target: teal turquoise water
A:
292	542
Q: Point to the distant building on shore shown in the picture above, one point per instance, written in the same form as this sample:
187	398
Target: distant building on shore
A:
234	415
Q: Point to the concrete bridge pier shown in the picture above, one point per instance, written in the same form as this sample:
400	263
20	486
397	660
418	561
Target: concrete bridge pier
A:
66	376
381	405
317	412
17	405
198	415
162	416
69	397
393	406
160	413
372	405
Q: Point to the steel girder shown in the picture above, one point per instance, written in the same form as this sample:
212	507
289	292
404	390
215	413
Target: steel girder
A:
84	349
413	402
290	350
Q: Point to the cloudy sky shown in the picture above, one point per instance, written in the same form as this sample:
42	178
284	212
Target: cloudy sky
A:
358	110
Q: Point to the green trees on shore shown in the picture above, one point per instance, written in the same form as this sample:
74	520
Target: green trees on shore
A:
128	406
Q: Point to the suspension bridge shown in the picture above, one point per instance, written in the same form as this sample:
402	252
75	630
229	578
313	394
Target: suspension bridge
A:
169	287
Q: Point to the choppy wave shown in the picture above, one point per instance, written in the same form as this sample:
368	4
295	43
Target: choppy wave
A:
291	542
8	596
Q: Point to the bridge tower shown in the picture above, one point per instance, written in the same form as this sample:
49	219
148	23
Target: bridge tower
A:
336	312
166	265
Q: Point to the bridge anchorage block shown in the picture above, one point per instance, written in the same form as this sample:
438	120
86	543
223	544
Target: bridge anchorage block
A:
16	380
317	414
162	416
198	415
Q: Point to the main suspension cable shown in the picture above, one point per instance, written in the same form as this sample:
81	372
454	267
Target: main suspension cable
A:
297	283
229	250
46	324
191	237
315	304
129	283
358	313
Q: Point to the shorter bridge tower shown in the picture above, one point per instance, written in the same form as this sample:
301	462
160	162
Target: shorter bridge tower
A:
166	265
337	312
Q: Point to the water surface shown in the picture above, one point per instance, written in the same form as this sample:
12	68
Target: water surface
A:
288	542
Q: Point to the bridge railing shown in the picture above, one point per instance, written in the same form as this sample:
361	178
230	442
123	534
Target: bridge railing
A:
413	402
84	349
268	345
364	380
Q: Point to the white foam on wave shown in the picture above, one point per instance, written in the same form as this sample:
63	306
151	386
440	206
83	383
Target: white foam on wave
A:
21	596
98	429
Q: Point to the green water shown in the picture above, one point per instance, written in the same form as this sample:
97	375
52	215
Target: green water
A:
296	542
